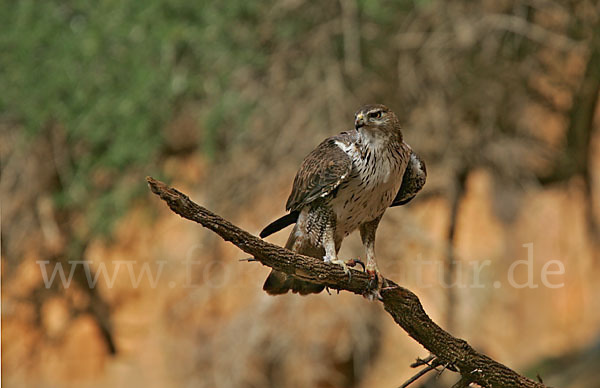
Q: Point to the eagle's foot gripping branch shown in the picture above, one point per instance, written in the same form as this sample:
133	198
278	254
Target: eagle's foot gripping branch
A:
352	263
335	260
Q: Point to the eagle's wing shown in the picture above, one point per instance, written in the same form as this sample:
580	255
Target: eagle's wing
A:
321	172
412	181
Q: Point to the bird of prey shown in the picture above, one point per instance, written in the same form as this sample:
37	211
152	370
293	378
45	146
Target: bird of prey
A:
347	183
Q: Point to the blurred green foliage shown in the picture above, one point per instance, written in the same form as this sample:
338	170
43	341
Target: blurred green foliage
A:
110	74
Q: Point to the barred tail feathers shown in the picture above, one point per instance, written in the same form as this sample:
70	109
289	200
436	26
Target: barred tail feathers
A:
278	283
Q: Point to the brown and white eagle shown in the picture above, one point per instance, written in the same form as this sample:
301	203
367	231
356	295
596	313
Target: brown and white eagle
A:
346	183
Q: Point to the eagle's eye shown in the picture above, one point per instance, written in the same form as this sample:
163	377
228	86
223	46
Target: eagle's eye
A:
375	115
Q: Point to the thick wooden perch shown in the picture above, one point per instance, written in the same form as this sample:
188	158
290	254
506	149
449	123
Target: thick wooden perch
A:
400	303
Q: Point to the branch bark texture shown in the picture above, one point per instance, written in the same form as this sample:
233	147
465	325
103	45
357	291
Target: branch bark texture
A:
403	305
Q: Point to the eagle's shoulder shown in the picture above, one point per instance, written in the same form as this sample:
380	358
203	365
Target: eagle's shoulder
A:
322	171
346	138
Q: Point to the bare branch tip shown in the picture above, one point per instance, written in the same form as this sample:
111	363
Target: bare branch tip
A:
418	375
156	186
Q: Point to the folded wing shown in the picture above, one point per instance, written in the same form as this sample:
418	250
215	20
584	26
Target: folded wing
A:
321	172
413	181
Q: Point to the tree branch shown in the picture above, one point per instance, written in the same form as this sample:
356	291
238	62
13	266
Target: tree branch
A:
399	302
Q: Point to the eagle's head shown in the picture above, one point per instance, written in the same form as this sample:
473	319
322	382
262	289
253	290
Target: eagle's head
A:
376	120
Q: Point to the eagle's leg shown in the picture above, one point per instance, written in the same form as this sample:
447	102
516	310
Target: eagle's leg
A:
331	249
367	234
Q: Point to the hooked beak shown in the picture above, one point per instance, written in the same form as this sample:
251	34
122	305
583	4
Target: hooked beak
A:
359	122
